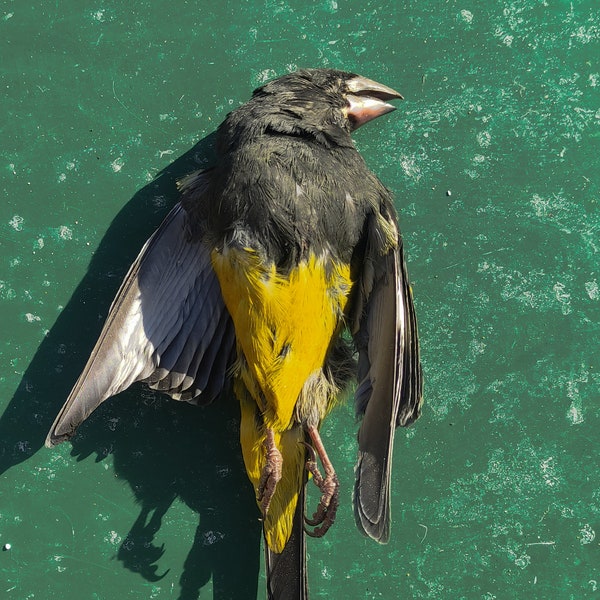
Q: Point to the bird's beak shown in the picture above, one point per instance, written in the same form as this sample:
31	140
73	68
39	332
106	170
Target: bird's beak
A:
366	100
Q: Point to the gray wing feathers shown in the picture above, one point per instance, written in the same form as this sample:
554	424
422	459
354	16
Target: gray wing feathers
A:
167	326
389	390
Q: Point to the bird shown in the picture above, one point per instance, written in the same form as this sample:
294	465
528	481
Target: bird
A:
280	272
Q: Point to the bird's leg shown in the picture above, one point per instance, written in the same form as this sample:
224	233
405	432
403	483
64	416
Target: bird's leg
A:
271	472
328	484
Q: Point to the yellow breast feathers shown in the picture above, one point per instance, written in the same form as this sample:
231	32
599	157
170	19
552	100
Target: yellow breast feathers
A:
284	324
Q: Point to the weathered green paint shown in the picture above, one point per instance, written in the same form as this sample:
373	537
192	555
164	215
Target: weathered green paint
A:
494	161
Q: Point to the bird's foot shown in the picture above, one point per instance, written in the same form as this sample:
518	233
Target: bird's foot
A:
271	473
324	517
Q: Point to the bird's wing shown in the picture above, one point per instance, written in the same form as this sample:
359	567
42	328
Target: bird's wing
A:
286	572
390	386
167	326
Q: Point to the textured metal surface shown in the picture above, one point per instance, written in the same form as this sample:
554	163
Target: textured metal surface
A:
493	158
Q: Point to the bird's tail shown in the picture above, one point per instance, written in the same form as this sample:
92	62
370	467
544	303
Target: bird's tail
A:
283	524
286	571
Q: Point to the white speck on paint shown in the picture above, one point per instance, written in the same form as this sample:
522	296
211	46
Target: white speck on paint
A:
523	561
574	415
586	534
585	35
6	292
117	164
410	167
265	75
113	538
211	537
466	16
484	139
17	223
23	446
591	287
563	297
65	233
549	472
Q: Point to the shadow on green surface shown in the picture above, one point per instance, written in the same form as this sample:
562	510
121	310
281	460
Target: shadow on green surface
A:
164	449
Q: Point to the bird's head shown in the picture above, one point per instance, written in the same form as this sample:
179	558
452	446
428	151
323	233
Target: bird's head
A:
323	104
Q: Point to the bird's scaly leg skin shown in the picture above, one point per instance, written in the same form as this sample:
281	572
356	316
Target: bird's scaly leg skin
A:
271	472
329	486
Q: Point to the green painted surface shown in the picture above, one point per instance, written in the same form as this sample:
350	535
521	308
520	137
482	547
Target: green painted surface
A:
496	491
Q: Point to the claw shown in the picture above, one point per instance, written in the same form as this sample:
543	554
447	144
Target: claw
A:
311	465
271	473
328	485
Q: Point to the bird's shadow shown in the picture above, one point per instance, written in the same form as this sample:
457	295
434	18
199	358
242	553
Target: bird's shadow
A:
164	449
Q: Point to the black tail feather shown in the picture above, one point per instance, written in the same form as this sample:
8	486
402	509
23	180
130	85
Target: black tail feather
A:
286	572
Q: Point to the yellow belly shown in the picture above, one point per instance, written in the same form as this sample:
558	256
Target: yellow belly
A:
284	327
